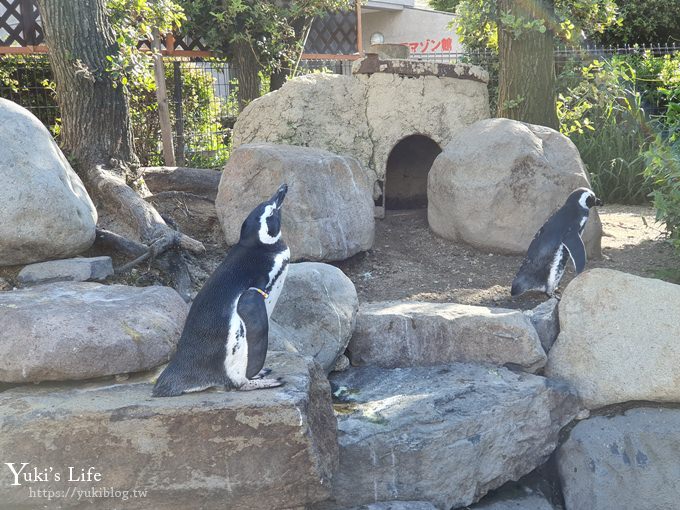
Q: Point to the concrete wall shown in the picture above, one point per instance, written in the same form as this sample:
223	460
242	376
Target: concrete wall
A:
426	32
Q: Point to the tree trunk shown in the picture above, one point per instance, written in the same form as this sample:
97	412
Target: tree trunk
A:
526	89
96	130
95	113
247	69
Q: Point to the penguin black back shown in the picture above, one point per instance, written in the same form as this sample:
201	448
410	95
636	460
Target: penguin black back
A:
201	357
556	241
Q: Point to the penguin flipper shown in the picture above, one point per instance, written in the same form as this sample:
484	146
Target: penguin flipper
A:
253	312
577	251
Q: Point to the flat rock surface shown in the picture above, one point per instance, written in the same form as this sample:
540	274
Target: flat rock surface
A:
78	330
446	434
315	314
618	338
621	462
265	449
46	211
79	269
402	334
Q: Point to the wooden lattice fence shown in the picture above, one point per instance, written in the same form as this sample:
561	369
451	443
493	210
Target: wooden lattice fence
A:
20	24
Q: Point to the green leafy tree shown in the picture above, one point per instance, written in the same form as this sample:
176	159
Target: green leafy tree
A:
649	21
444	5
524	34
257	36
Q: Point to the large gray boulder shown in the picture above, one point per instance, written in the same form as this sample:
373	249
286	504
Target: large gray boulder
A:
68	331
446	434
618	338
268	449
315	314
403	334
46	212
328	211
621	462
390	100
499	180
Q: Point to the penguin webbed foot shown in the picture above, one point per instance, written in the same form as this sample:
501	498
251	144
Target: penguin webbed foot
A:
261	383
262	374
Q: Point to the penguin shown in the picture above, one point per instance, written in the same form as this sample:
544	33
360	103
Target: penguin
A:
225	336
556	241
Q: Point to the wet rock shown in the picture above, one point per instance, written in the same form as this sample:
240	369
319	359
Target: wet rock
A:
446	434
625	461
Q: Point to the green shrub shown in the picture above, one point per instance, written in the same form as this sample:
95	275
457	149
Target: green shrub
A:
601	110
663	154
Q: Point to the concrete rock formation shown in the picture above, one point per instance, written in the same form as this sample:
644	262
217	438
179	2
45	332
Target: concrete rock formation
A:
499	180
68	331
620	462
328	212
618	338
446	434
46	212
403	334
367	114
254	450
315	314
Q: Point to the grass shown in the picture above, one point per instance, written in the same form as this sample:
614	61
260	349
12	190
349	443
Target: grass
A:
612	155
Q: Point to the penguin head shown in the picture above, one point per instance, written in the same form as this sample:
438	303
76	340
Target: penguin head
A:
585	198
263	224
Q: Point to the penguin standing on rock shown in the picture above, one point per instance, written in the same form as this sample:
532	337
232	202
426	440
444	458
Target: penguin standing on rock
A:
225	337
558	239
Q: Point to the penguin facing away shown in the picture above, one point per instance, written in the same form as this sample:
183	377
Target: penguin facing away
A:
225	337
557	240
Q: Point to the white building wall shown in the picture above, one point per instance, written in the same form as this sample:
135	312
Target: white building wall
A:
425	32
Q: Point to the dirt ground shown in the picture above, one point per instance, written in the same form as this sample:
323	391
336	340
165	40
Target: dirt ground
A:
409	262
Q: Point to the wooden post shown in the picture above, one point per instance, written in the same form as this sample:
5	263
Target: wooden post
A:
360	39
162	98
179	112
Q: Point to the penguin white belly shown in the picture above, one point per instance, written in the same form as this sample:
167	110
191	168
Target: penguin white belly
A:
277	277
555	274
236	360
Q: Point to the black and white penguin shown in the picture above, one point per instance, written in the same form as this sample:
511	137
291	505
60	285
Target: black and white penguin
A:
558	238
225	337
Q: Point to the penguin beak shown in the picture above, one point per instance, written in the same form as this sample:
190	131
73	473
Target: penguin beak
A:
280	195
598	201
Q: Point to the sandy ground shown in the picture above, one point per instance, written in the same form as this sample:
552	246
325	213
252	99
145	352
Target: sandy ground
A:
409	262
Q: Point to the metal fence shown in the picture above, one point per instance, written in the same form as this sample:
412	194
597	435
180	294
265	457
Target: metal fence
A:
202	94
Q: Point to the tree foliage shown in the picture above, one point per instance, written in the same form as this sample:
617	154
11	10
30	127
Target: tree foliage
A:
650	21
134	21
270	32
478	21
444	5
